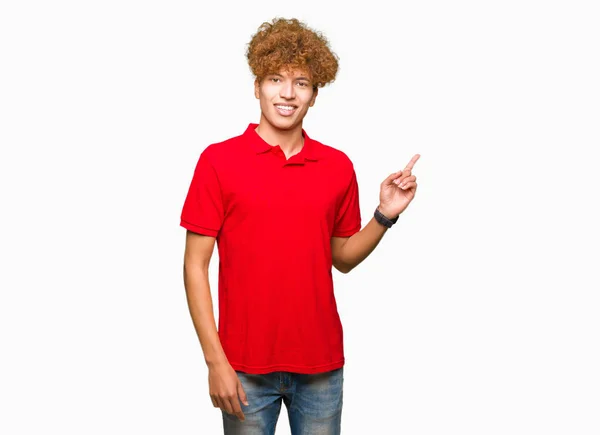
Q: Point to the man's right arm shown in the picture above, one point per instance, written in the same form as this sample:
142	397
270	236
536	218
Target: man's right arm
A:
198	252
225	388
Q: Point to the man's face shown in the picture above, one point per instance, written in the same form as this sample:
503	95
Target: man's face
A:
285	97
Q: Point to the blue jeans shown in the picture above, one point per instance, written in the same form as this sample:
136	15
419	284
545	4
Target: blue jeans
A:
313	402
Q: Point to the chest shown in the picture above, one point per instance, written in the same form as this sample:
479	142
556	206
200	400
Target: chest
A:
308	192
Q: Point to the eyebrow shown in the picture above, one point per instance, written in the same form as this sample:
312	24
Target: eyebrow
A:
296	78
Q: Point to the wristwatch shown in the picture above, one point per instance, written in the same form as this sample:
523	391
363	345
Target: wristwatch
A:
383	220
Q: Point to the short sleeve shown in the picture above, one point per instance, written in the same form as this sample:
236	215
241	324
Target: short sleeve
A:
347	219
203	207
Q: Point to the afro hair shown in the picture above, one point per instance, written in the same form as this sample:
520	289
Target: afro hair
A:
286	44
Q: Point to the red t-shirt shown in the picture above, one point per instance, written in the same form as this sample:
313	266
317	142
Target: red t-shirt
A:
273	220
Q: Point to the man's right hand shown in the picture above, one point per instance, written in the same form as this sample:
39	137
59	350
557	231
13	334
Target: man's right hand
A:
226	389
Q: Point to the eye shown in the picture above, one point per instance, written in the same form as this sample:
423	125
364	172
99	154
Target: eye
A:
303	84
275	79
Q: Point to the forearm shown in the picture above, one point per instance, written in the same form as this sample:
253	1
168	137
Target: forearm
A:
360	245
199	300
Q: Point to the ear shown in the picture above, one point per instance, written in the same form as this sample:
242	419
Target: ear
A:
314	97
257	89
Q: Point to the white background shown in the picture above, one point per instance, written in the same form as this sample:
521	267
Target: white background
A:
478	313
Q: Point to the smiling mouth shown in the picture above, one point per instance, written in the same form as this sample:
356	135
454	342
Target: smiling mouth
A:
285	110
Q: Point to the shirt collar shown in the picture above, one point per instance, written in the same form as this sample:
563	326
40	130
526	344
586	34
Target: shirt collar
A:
309	150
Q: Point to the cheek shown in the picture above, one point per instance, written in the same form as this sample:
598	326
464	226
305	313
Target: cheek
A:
262	97
267	96
265	104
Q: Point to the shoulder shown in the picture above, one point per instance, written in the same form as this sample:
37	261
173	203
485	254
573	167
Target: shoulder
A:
221	149
217	154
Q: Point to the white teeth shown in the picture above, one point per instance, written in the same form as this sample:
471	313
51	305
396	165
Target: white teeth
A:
286	107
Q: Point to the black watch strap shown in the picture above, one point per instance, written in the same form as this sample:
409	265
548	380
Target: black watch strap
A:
383	220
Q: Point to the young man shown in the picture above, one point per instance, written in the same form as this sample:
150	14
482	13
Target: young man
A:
283	210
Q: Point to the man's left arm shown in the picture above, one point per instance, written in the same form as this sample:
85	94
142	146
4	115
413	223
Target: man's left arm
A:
397	191
349	252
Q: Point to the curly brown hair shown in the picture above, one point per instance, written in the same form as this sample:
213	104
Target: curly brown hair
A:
289	44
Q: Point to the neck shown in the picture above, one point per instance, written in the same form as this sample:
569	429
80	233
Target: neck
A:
290	141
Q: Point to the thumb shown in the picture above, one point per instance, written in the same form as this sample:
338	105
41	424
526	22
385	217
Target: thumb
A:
242	393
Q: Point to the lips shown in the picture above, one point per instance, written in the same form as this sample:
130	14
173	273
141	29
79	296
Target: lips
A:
285	109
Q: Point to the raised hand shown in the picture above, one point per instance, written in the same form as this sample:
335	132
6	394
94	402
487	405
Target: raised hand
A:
398	190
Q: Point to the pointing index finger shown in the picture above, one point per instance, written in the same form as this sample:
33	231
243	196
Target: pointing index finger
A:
412	161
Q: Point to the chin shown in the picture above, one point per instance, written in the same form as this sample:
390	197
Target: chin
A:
283	124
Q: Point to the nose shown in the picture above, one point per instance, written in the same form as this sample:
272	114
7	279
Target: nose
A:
287	90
